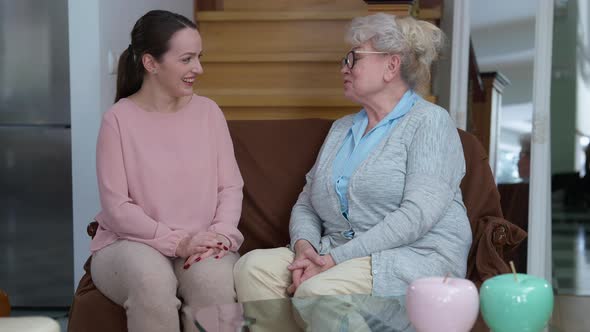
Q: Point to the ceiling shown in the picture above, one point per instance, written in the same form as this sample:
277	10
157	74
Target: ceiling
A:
503	35
486	13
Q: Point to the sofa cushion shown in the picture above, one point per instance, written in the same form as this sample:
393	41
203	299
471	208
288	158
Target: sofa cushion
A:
273	157
92	311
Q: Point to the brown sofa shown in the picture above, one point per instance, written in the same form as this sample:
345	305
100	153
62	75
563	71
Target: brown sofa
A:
273	156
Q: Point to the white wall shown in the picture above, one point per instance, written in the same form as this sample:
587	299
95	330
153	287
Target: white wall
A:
95	28
564	89
506	38
85	117
451	74
583	75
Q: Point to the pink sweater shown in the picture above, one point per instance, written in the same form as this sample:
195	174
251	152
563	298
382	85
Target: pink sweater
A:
162	176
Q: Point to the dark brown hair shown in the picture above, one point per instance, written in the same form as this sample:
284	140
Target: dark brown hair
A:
150	35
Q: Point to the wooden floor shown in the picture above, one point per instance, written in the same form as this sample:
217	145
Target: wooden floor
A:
571	314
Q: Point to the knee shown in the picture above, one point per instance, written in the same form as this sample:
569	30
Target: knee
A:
153	290
153	300
208	284
249	266
311	287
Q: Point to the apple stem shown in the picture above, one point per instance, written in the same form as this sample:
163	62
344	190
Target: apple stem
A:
513	271
446	277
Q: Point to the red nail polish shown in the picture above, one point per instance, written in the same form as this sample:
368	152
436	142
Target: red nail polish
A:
208	247
186	266
225	248
216	257
198	259
219	243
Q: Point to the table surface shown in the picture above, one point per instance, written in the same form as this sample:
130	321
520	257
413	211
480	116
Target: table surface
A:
322	313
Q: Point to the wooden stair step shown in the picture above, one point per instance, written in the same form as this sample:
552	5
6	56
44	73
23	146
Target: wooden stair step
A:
282	5
270	75
271	57
241	16
346	15
430	14
283	113
326	97
274	36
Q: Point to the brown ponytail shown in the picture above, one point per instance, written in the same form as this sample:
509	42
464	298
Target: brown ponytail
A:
129	74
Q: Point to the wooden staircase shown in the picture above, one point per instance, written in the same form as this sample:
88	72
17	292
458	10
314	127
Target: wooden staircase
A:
279	59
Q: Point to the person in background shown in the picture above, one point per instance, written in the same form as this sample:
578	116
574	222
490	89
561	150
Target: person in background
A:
524	158
586	178
170	188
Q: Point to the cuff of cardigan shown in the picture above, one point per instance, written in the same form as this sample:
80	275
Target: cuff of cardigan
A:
346	252
311	238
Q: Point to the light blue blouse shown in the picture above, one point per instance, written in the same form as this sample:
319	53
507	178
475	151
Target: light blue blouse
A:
357	147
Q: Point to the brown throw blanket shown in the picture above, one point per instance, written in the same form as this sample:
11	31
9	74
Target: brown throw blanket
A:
493	236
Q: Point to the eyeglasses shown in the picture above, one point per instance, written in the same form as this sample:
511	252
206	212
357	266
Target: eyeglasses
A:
350	57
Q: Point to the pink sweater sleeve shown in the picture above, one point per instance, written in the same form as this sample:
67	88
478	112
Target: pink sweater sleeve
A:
230	184
119	214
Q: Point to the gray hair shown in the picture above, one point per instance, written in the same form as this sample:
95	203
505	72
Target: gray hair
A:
417	42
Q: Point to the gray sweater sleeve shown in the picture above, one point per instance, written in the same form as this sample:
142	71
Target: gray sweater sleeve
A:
435	167
305	224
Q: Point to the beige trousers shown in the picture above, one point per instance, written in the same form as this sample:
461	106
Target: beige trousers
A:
153	288
263	275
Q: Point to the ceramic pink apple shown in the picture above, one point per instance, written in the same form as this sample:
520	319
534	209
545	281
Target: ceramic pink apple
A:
438	304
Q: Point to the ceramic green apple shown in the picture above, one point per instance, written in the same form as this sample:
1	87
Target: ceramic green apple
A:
508	305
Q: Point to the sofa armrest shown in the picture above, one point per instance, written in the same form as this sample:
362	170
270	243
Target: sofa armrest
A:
92	228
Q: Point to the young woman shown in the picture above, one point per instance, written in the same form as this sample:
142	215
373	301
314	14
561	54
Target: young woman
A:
170	188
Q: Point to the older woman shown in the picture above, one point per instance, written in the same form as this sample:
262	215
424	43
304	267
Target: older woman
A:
382	204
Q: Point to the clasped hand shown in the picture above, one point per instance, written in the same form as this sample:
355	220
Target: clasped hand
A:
307	264
201	246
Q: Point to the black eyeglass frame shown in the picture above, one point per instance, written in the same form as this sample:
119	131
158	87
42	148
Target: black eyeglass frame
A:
351	54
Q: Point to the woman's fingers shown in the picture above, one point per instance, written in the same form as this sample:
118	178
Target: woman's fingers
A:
313	256
299	264
296	276
211	243
199	257
220	254
199	249
316	259
224	239
308	273
208	253
291	289
192	259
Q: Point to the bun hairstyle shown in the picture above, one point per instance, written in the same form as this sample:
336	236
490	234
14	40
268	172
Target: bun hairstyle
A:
150	35
417	42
